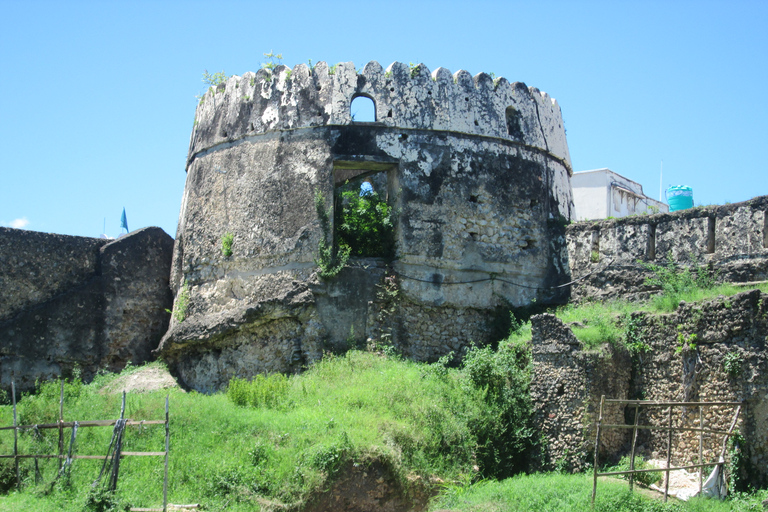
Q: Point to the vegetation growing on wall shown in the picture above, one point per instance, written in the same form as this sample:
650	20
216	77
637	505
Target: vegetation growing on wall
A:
676	282
179	311
226	244
366	224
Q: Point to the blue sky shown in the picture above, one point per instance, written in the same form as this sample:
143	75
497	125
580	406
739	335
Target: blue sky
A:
97	99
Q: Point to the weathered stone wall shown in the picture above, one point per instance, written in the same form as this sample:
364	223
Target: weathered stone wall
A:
476	171
78	302
38	266
731	239
567	393
566	388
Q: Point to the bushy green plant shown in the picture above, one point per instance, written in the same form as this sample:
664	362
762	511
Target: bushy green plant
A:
7	475
262	391
275	59
504	433
102	500
366	224
675	282
633	337
214	79
226	244
648	478
732	362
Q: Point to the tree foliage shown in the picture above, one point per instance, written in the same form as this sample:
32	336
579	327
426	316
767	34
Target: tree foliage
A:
366	224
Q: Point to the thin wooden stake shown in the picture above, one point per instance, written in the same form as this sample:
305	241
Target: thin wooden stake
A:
15	437
669	455
61	421
701	449
597	446
632	456
167	449
118	448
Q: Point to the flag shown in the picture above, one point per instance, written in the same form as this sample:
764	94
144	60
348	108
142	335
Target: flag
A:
124	222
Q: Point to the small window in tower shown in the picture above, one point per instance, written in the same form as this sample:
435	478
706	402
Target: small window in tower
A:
362	110
513	123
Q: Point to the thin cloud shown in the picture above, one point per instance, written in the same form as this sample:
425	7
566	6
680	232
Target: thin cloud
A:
19	223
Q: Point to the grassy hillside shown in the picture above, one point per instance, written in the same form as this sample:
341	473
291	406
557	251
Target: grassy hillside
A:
419	421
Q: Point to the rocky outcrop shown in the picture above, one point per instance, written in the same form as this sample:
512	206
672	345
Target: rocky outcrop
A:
72	302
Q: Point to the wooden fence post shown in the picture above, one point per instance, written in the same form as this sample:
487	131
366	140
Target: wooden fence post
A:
634	443
61	427
167	449
597	447
15	436
669	454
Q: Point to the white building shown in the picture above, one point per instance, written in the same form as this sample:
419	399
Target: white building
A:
602	193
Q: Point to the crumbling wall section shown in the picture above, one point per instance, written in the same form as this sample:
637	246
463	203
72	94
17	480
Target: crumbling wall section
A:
730	239
713	351
566	387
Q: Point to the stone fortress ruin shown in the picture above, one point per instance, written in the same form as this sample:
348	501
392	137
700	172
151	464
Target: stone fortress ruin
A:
476	172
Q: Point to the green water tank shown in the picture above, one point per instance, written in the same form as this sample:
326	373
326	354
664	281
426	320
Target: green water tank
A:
679	197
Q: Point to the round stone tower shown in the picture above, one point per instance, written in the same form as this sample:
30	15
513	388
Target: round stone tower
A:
475	173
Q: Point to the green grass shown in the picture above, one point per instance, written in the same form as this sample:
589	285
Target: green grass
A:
554	492
596	323
418	419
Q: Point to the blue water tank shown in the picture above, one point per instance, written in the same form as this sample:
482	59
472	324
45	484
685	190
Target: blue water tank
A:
679	197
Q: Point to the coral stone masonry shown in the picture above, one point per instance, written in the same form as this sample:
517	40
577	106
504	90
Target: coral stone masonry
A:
476	171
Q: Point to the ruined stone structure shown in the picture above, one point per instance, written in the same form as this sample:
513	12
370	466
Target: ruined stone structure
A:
568	382
71	301
476	170
730	239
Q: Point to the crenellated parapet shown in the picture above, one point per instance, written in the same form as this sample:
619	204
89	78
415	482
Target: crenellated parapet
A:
405	97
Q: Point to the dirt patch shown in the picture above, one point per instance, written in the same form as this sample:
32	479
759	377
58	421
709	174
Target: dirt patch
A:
143	380
370	487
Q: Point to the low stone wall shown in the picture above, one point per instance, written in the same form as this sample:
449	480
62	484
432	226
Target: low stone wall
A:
363	304
731	239
685	361
78	302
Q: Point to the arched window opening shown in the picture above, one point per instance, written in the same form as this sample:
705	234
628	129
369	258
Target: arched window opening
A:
513	123
363	110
